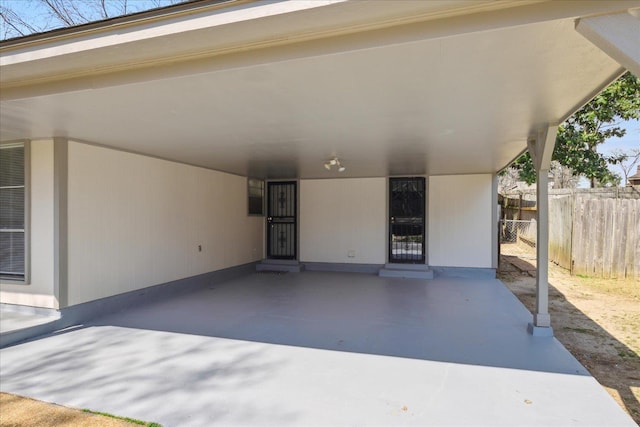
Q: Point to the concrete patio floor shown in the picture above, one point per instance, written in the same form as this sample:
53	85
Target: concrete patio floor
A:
12	320
317	349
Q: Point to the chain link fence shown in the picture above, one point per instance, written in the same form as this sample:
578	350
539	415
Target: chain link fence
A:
518	238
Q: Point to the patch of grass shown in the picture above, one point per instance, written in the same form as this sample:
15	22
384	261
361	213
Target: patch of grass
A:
626	353
127	419
581	330
622	287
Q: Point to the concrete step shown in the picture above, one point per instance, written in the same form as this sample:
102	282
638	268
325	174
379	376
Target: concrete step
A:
407	273
280	261
412	267
290	266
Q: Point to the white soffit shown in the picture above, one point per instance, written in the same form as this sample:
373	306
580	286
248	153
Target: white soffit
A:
215	30
618	35
447	96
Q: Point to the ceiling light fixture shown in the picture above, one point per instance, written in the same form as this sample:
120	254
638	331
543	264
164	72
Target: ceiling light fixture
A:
334	162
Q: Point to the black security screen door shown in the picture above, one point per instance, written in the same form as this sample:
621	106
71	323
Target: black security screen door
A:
406	220
281	220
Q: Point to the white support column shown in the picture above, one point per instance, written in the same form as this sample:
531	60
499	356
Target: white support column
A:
541	317
616	35
60	232
541	149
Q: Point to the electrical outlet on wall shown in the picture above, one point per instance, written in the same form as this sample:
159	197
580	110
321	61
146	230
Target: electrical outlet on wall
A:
351	253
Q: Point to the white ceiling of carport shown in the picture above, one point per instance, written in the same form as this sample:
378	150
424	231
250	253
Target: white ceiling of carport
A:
445	105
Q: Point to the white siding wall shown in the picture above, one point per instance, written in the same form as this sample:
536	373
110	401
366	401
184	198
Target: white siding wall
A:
39	292
136	221
342	215
460	221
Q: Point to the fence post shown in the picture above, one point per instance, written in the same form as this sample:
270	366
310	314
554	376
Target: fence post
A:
572	218
519	206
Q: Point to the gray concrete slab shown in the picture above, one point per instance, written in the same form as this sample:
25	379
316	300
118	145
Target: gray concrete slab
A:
317	348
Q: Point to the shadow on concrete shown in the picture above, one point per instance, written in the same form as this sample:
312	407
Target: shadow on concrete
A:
291	349
476	322
610	361
86	361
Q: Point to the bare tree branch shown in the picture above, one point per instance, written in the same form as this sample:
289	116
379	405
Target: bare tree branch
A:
14	21
105	14
59	11
631	160
66	13
73	9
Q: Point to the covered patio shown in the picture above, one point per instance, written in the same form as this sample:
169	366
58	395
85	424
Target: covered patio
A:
317	348
151	127
138	140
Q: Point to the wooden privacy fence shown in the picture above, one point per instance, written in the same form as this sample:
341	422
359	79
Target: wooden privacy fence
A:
597	237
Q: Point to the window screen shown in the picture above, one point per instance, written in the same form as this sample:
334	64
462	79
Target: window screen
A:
12	211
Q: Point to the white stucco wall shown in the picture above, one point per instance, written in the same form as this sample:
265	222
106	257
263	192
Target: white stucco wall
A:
136	221
460	221
39	292
342	215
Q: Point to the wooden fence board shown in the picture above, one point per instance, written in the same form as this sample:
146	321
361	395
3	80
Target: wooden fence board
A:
595	236
633	233
560	230
578	245
589	243
608	215
619	249
593	232
605	238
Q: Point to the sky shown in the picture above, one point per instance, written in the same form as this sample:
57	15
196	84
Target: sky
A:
628	142
33	12
38	15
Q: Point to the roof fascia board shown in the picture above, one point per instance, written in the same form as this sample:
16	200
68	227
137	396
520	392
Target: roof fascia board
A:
617	35
162	23
120	22
352	38
149	28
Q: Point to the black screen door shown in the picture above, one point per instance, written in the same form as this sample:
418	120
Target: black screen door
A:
406	220
281	220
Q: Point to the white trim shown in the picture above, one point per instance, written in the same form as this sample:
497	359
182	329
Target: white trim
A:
60	233
617	35
26	145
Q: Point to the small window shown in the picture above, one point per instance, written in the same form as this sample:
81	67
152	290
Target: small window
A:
255	190
12	212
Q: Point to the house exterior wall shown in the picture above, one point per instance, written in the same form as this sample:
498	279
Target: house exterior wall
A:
136	221
39	291
460	220
342	215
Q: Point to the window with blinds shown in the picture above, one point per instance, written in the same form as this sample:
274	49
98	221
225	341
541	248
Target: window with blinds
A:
255	190
12	211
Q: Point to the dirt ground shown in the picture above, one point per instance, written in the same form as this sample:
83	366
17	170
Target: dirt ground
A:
597	320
